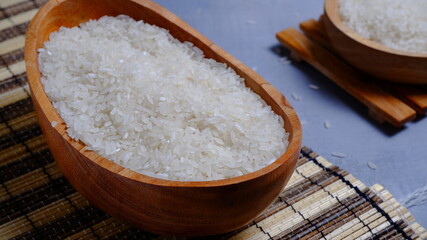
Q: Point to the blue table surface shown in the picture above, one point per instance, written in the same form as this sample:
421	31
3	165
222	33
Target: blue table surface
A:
246	29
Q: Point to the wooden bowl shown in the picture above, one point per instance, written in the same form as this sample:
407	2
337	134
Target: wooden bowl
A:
372	57
157	205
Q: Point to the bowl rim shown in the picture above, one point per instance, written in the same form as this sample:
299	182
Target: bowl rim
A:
331	10
39	96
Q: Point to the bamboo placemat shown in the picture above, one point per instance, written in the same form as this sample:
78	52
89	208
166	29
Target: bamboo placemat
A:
321	201
394	103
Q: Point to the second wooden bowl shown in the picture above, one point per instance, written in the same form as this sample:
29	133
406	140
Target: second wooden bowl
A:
372	57
156	205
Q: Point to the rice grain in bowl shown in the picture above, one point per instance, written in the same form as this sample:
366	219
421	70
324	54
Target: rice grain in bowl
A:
163	206
156	105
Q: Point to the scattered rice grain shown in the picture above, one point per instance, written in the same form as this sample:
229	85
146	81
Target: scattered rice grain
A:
314	87
296	97
284	60
338	155
372	165
327	124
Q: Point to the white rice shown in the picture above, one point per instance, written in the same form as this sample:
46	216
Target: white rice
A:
398	24
327	124
314	87
372	165
338	155
139	97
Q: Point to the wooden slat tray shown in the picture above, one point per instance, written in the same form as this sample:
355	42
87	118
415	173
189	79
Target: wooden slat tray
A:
394	103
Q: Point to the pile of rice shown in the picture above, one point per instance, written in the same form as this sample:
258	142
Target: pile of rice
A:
398	24
141	98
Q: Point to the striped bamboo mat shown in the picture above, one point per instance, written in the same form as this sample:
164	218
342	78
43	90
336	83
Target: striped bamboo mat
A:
321	201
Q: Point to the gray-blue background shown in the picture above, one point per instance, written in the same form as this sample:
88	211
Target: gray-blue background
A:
246	29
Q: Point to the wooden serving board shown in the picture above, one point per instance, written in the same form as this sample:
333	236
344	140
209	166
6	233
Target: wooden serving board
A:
394	103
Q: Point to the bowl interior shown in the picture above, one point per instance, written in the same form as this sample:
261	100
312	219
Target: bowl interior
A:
71	13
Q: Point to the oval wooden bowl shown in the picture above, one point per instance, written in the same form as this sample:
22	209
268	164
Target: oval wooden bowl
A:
372	57
156	205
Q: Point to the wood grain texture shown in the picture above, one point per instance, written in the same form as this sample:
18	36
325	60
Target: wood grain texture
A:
315	30
157	205
382	105
414	96
372	57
